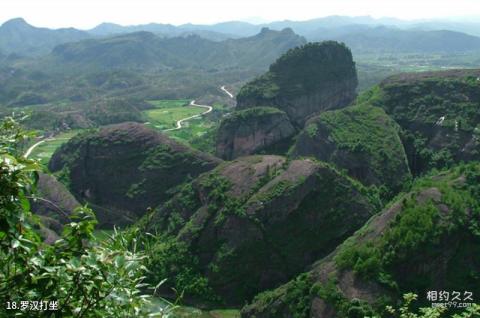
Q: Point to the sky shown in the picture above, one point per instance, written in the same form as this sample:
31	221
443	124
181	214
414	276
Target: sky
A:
85	14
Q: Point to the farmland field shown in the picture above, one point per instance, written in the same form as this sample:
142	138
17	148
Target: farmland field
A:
167	112
45	150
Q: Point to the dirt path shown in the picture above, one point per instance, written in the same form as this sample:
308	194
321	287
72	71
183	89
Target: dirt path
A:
178	124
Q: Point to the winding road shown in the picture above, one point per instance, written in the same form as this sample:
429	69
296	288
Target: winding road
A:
29	150
226	92
178	124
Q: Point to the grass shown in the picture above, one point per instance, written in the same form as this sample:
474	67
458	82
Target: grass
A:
193	129
102	235
198	132
168	112
45	150
169	103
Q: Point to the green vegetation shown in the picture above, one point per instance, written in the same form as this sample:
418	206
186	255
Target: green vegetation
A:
167	257
392	255
361	139
86	277
44	151
314	69
169	103
198	132
406	312
189	312
420	230
167	113
299	194
244	116
438	114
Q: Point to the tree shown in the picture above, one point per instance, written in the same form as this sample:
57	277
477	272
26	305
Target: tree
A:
77	274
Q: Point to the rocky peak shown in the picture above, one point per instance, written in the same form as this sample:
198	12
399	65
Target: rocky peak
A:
305	81
123	169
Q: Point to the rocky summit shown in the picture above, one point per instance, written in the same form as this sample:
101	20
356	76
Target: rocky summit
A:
439	113
271	216
123	169
305	81
361	139
426	239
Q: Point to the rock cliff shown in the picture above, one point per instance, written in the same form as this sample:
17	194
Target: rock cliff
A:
439	113
258	221
251	131
361	139
425	240
305	81
54	204
121	170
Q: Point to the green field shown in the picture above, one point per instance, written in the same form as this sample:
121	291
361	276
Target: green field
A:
45	150
168	112
169	103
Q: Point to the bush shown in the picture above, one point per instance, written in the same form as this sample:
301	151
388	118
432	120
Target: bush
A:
86	278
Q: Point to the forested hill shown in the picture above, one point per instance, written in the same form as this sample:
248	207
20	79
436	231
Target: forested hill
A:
144	49
140	64
359	33
385	39
17	36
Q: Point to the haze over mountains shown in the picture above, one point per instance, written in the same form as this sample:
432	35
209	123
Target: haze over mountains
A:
360	33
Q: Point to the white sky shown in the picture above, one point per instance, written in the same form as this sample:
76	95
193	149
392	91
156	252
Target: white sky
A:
88	13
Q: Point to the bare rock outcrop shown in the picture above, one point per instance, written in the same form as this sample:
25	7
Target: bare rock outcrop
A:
121	170
251	131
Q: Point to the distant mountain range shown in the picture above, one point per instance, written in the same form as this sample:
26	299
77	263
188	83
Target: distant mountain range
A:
147	50
360	33
17	36
362	38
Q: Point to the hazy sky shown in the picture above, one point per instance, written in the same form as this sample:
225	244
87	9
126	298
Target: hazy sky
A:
88	13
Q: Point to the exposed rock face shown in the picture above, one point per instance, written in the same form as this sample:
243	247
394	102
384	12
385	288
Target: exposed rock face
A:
423	241
54	199
54	204
361	139
440	113
252	130
305	81
123	169
258	221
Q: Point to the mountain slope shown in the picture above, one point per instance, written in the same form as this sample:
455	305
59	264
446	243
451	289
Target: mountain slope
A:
439	114
252	131
255	222
123	169
145	50
17	36
361	139
387	39
305	81
425	240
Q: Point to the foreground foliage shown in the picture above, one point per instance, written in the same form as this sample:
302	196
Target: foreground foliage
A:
86	278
